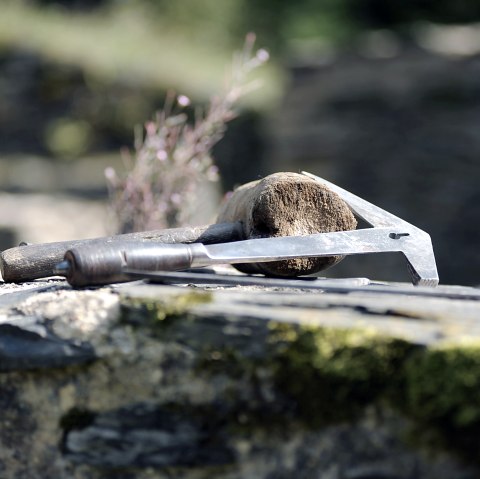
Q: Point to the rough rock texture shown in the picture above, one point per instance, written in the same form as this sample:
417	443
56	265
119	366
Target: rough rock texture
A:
287	204
155	382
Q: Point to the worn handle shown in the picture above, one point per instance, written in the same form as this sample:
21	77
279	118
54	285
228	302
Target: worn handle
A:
26	263
104	263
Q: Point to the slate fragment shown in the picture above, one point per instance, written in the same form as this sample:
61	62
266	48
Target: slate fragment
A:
147	435
24	349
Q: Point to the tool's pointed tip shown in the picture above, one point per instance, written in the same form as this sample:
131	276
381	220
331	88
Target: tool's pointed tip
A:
428	282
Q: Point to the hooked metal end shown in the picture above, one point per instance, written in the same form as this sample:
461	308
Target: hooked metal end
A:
62	269
418	249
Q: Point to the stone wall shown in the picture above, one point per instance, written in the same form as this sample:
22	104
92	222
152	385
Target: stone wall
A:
144	381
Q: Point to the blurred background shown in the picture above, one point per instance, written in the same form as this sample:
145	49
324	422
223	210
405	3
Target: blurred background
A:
381	97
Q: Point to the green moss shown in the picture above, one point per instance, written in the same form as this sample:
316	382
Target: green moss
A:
321	376
157	311
333	374
443	396
324	376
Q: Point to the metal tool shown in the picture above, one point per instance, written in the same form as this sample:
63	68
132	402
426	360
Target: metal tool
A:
414	243
27	262
206	277
91	265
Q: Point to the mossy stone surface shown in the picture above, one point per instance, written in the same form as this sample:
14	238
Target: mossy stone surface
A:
154	310
324	375
443	396
194	382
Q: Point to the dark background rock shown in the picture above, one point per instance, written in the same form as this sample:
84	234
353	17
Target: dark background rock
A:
145	435
42	96
400	132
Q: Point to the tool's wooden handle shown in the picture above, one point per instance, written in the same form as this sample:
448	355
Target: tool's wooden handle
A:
25	263
287	204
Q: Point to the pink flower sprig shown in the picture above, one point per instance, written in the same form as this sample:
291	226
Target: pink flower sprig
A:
172	157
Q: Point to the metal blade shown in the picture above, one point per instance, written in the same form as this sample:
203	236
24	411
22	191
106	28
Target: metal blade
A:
370	240
369	212
338	285
217	279
418	249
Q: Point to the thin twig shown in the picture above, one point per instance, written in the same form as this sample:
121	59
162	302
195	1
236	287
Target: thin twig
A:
172	157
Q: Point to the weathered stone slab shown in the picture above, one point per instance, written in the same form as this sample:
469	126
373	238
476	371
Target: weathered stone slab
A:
151	381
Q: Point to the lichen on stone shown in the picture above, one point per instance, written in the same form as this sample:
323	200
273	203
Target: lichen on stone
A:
333	374
443	396
157	310
319	375
323	376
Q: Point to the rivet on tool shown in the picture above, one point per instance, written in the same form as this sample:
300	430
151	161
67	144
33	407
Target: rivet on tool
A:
398	235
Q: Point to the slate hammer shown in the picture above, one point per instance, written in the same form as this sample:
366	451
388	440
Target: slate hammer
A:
84	266
281	204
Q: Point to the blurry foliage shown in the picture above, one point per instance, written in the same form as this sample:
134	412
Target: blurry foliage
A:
184	44
77	75
395	13
279	22
81	5
68	138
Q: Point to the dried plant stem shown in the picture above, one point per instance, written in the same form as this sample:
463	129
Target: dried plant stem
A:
172	158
